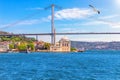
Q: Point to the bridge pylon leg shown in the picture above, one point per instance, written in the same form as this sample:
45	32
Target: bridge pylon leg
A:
36	37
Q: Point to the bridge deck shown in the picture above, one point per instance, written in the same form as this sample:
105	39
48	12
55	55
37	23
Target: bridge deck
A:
89	33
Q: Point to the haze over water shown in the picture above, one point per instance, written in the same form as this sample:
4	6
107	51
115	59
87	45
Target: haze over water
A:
89	65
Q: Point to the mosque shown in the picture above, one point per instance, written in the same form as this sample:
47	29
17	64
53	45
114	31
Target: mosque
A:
63	45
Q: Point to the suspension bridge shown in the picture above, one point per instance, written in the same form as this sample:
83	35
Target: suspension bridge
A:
53	33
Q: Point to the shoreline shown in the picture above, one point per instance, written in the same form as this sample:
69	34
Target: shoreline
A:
39	51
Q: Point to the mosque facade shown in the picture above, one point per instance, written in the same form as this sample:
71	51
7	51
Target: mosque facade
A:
63	45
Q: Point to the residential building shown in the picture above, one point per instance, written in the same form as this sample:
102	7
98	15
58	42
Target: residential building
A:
4	46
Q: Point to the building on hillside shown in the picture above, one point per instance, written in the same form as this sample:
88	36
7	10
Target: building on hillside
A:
4	46
63	45
39	45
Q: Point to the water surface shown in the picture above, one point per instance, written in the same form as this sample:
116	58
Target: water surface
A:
89	65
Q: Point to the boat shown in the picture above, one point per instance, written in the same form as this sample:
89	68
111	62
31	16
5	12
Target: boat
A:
81	50
25	51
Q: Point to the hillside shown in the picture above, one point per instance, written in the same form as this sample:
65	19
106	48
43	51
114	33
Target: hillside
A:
14	38
2	32
96	45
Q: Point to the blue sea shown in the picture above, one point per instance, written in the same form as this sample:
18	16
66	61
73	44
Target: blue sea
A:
88	65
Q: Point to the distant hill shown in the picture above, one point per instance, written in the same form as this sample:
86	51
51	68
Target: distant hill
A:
96	45
14	38
2	32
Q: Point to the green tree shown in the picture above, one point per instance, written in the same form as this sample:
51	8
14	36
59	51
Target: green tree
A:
22	46
15	38
11	46
73	49
31	46
47	45
5	38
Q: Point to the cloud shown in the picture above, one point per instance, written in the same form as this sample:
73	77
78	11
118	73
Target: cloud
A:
117	3
103	22
114	24
69	30
109	20
33	21
73	13
110	16
29	22
37	8
110	23
24	22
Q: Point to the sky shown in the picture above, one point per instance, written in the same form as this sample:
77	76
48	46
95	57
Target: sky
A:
30	16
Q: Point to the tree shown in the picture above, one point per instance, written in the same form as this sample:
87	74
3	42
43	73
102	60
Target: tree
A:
11	46
73	49
22	46
15	38
5	38
47	45
31	46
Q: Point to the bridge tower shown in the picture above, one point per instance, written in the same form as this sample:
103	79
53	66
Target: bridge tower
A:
53	39
52	25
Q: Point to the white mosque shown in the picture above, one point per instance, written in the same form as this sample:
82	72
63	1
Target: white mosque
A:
63	45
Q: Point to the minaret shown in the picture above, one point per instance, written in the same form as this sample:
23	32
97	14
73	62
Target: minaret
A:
54	36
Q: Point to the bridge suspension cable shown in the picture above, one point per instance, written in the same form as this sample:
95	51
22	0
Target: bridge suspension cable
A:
19	21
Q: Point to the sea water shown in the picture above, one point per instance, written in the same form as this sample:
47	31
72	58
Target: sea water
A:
88	65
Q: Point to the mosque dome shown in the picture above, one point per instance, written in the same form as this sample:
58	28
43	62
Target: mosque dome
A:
65	38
